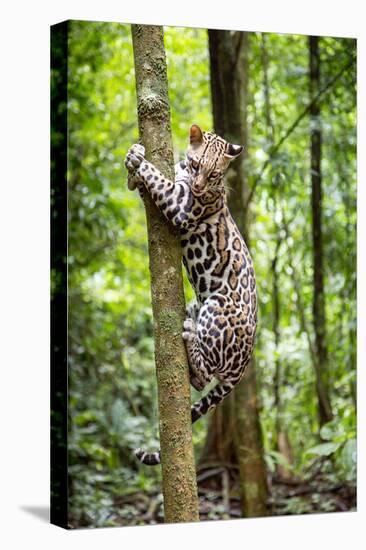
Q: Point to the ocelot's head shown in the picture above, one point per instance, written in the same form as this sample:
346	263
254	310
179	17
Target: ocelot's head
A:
208	158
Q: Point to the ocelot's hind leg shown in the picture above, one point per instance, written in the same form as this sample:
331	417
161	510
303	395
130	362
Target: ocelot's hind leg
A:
199	377
193	310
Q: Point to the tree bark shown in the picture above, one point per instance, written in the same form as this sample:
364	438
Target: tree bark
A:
282	442
319	319
229	70
348	326
248	439
219	444
177	458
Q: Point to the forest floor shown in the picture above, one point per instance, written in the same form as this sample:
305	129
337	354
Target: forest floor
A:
218	490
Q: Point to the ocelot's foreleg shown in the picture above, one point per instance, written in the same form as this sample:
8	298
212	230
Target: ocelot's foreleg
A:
174	199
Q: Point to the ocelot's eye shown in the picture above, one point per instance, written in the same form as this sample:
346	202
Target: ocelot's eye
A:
195	165
214	175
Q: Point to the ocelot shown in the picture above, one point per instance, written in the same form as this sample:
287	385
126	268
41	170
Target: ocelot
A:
220	327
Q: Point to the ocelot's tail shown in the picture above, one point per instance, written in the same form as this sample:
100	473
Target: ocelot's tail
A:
150	459
207	403
212	399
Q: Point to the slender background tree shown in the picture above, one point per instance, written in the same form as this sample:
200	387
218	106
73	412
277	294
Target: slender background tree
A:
319	318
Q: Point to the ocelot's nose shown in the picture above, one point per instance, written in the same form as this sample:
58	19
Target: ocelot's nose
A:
198	187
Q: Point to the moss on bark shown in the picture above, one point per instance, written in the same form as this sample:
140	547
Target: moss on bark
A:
178	467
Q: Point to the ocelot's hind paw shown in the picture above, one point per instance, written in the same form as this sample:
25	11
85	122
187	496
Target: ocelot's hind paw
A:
196	383
189	330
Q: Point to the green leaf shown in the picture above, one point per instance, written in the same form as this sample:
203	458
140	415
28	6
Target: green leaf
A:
324	449
331	430
348	459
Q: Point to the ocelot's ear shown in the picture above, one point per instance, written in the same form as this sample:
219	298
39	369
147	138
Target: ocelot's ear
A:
195	135
233	151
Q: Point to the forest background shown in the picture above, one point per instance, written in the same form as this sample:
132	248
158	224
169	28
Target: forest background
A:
308	452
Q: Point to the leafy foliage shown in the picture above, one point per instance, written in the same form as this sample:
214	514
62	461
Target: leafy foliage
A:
282	214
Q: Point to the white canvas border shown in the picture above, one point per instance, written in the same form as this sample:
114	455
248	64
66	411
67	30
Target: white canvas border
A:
24	219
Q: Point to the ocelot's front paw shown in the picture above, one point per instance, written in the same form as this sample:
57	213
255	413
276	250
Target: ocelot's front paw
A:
134	157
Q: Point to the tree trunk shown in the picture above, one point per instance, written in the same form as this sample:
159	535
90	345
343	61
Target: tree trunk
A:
319	320
229	68
219	444
248	439
282	442
177	458
349	328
